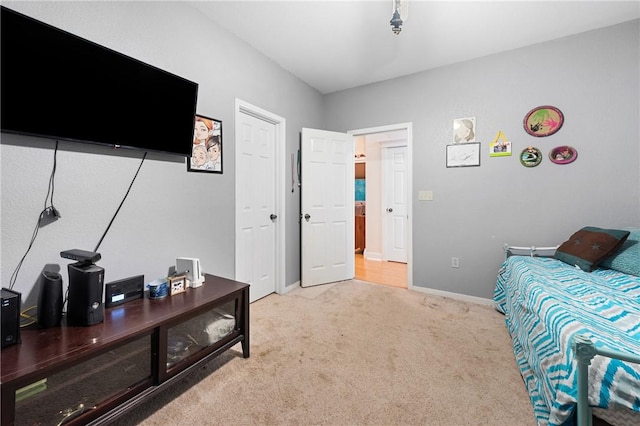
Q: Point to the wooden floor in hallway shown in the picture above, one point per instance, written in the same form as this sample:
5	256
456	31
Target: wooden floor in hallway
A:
393	274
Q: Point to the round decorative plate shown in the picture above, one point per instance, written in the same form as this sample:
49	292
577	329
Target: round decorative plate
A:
563	155
543	121
530	157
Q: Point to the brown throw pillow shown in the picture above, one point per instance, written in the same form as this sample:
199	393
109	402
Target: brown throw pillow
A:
590	246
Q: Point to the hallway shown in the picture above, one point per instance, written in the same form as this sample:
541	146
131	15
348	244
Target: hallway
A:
391	274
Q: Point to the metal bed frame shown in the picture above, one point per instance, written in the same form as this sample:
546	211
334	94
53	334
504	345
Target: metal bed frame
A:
533	250
584	348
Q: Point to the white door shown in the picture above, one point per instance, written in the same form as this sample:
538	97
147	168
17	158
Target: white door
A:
395	203
256	216
327	207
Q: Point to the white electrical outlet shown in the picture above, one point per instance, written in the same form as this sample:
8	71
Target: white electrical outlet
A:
455	262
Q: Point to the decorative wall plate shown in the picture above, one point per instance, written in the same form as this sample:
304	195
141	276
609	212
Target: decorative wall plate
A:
543	121
563	155
530	157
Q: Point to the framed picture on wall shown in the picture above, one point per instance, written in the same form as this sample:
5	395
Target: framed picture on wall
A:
206	150
463	154
464	130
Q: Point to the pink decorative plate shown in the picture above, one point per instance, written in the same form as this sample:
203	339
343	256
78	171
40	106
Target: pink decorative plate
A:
543	121
563	155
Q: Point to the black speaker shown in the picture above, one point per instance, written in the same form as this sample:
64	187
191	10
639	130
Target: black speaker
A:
50	300
10	304
84	302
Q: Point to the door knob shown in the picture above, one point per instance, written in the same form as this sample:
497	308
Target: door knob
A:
273	217
389	210
307	216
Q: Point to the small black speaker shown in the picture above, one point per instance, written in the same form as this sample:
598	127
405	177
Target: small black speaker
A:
11	304
50	300
84	303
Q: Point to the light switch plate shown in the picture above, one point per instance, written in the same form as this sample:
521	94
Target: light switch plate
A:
425	195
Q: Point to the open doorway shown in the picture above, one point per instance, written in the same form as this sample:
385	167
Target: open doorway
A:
393	274
382	181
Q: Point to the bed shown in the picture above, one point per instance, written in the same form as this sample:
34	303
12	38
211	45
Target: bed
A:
576	331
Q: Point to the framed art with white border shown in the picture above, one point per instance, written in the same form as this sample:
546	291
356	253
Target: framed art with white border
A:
464	130
463	155
206	150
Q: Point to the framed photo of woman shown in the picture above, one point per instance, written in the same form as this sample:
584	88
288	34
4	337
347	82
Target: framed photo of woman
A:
206	150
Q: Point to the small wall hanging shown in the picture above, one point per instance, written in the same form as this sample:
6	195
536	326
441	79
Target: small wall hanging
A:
206	151
563	155
463	155
500	147
464	130
543	121
530	157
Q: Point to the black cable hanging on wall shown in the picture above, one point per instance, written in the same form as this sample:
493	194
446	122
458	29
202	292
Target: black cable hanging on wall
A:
121	203
47	215
50	213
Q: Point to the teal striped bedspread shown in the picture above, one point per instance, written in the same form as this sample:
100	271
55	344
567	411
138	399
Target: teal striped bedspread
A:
545	303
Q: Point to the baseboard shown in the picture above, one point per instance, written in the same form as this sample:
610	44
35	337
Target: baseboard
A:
372	255
451	295
458	296
291	287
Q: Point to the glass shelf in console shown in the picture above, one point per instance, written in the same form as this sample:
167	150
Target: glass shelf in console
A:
200	332
76	390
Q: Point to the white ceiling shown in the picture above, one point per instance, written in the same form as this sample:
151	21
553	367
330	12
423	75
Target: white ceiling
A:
336	45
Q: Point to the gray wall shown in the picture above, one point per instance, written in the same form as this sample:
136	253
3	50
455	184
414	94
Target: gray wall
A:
592	78
169	212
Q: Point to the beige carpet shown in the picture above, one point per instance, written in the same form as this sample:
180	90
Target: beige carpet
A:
354	353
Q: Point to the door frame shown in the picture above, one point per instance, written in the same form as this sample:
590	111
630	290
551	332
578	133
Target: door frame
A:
409	128
280	123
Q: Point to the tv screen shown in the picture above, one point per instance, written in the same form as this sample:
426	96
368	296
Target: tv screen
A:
60	86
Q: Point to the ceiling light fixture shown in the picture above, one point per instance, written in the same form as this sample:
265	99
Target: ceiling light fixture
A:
400	14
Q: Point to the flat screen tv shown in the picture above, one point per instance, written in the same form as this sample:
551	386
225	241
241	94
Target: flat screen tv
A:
60	86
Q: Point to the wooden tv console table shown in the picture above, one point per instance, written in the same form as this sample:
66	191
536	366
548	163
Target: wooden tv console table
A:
81	375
